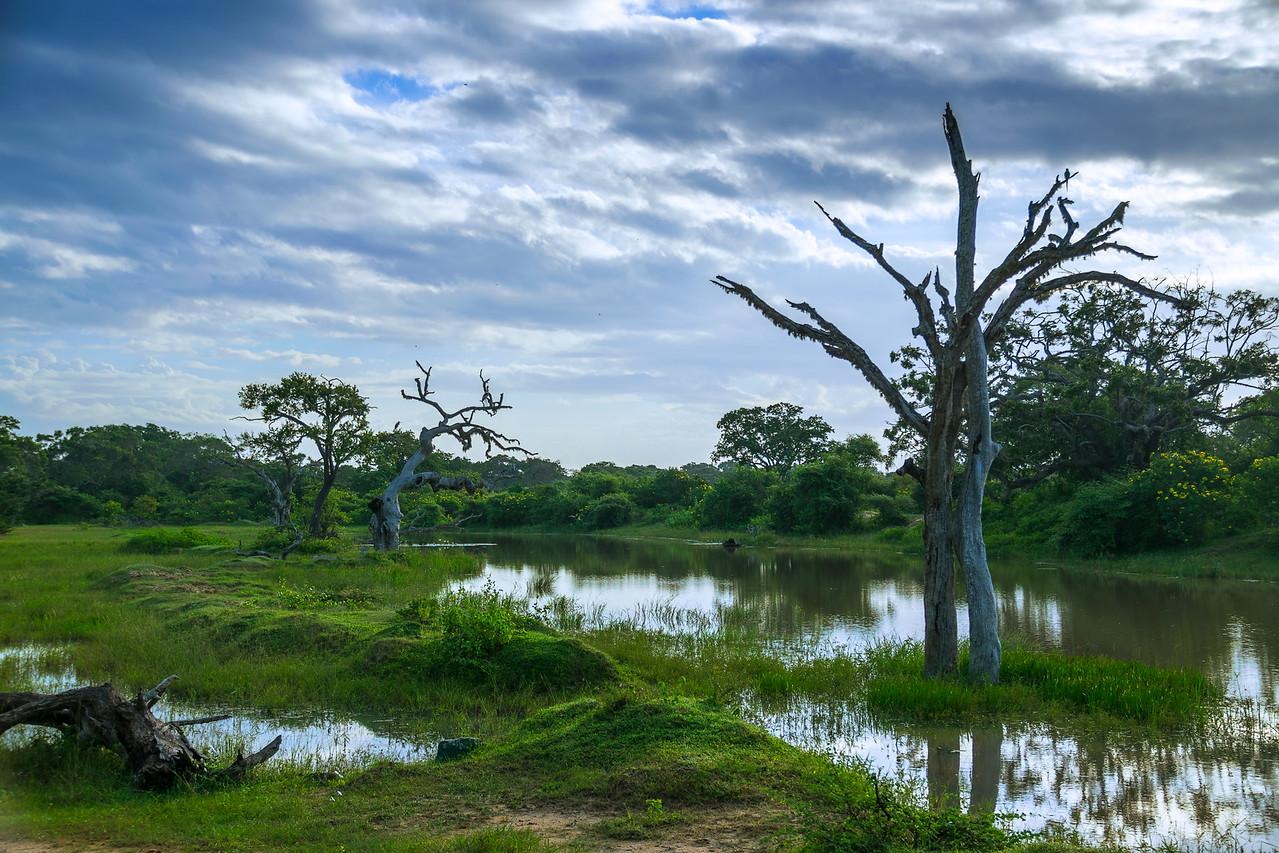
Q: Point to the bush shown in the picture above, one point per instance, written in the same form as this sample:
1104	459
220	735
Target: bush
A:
736	498
1191	495
1097	519
474	625
670	487
1258	489
821	497
162	539
611	510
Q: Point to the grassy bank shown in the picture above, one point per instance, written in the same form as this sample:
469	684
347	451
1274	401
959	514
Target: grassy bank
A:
593	733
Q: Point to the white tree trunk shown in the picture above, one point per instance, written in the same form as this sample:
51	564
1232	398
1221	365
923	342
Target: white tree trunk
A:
384	524
983	612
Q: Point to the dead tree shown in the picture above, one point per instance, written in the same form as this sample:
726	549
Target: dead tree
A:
276	447
384	524
952	414
156	752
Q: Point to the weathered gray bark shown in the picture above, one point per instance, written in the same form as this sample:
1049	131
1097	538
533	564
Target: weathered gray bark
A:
983	617
157	753
983	611
384	524
955	347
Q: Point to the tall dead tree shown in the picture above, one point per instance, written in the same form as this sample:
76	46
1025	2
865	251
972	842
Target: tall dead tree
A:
384	524
952	414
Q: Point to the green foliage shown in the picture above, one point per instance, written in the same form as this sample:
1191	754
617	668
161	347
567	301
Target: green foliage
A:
160	540
1098	520
144	507
776	438
821	497
612	510
1192	494
112	512
308	597
736	499
1258	489
669	487
474	624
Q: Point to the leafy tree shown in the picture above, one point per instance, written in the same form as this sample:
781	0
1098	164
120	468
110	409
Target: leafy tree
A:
272	456
737	498
861	450
1102	380
946	400
774	438
821	497
21	471
329	413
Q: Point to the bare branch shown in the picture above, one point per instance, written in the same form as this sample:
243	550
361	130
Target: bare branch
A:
917	294
835	342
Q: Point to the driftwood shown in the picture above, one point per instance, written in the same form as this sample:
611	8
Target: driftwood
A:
156	752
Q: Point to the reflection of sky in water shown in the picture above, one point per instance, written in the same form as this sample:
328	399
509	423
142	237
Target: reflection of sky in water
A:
1109	789
320	741
1206	795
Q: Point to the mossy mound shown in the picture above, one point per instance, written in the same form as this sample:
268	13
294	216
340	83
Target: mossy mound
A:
530	659
674	749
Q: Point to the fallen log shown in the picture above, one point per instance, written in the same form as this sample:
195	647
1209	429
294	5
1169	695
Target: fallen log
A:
156	752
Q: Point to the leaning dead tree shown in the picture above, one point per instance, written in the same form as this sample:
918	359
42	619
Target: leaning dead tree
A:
384	524
951	410
272	456
156	752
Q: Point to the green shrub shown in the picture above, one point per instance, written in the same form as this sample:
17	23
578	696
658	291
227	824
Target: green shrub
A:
1192	495
612	510
736	498
162	539
1097	519
1258	489
473	624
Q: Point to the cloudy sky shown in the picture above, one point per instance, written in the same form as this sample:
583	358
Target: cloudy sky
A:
198	195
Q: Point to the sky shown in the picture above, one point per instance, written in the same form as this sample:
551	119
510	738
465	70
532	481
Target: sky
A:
194	196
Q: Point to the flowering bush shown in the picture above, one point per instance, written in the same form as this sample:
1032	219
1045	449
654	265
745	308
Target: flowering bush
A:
1259	489
1191	494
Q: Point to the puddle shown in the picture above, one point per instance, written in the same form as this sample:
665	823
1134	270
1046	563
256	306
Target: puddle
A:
313	740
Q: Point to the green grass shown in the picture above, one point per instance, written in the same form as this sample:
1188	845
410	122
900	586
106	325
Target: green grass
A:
1041	685
590	721
161	540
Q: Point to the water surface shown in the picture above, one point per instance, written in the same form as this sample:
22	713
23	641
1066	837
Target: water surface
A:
1208	793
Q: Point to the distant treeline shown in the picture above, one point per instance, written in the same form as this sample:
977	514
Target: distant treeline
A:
1216	484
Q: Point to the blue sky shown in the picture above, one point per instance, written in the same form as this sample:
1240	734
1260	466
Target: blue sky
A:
195	196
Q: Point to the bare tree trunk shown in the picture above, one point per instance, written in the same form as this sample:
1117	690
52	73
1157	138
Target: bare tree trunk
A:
983	612
941	633
384	524
157	753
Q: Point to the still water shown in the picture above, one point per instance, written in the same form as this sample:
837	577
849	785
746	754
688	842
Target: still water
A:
317	741
1219	792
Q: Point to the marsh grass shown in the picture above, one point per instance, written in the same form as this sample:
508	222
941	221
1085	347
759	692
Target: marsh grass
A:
662	725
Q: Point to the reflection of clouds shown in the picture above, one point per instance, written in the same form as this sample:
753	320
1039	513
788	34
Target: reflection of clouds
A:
1109	788
1124	791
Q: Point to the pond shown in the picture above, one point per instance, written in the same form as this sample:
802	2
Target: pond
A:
1218	792
310	740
